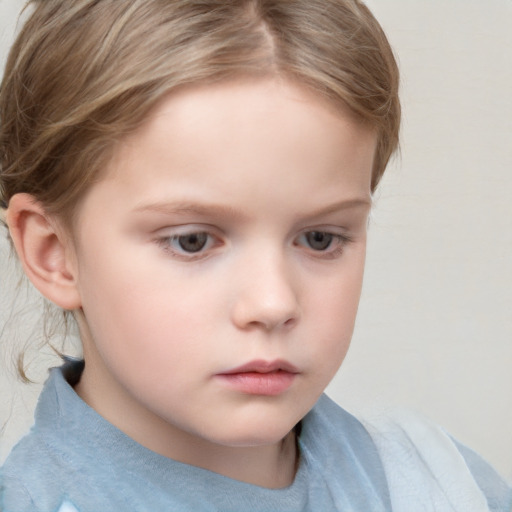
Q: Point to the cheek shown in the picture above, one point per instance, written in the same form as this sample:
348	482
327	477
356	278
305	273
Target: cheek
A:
334	316
337	299
146	319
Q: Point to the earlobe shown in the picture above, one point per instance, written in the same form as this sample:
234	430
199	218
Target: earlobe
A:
43	250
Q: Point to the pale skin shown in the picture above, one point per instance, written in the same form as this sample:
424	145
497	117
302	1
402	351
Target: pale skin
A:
231	227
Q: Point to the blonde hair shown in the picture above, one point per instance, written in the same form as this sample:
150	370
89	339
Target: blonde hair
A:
84	73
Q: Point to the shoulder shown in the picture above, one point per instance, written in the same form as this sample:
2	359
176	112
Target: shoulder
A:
338	448
327	416
331	429
422	460
25	482
14	497
48	459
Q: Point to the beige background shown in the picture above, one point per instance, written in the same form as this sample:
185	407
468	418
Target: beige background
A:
435	325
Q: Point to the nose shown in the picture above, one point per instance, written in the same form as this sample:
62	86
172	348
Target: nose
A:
267	296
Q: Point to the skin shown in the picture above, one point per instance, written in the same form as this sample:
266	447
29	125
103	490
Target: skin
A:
255	166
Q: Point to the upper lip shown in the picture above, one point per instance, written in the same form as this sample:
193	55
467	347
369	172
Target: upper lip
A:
262	366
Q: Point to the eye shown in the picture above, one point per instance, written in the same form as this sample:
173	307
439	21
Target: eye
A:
323	243
191	242
188	246
319	240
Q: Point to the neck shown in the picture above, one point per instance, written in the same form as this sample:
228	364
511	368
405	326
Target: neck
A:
272	466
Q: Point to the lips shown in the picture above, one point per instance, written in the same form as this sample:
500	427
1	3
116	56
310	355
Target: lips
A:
266	378
261	366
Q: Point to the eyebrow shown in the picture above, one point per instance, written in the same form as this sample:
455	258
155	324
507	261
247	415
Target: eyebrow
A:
357	202
188	208
224	211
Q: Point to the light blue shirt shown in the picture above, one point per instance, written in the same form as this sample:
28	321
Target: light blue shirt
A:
73	456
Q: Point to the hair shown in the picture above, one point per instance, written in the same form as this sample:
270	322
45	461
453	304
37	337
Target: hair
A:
84	73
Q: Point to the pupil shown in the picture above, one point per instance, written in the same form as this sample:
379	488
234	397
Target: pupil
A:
319	240
193	242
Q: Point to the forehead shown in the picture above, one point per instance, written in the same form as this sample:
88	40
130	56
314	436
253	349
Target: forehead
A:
245	142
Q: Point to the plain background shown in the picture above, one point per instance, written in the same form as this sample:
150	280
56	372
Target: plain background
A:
434	331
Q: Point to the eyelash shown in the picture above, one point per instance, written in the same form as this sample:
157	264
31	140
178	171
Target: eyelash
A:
335	247
339	242
166	243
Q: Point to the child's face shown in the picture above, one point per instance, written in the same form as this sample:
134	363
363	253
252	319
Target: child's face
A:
229	232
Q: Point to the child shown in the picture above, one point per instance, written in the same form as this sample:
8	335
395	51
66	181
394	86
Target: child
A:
192	179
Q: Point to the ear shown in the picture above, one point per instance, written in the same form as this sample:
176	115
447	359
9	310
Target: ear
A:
44	249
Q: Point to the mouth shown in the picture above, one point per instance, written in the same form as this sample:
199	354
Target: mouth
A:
266	378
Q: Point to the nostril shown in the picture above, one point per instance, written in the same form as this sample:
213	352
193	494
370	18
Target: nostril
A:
248	318
290	322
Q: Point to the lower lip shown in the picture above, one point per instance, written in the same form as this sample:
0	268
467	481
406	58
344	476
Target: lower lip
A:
253	383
